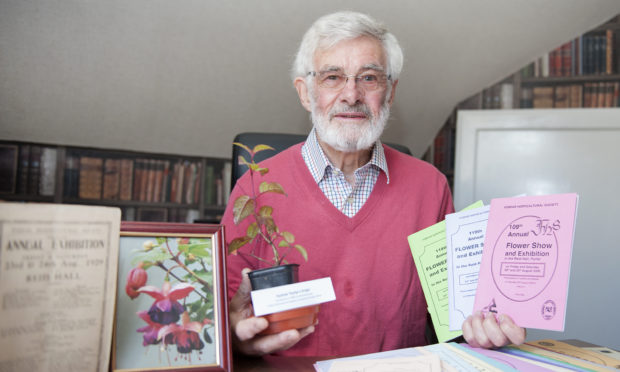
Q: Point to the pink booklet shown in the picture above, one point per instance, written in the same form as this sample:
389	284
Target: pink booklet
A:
526	258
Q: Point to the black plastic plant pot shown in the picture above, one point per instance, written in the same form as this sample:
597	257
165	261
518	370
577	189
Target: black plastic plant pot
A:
274	276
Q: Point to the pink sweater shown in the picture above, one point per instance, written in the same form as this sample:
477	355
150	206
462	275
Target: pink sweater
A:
379	301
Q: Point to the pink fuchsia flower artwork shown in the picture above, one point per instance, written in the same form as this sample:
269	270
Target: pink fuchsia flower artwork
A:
171	280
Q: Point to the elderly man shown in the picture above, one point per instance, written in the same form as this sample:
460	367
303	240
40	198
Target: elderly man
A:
351	203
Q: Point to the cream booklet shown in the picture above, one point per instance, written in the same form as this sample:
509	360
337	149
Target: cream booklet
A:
57	286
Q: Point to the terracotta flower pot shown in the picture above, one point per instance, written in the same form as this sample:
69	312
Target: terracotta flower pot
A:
291	319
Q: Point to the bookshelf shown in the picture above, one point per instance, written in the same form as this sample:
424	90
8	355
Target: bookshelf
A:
146	186
581	73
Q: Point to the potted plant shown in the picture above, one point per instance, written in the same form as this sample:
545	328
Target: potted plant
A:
263	227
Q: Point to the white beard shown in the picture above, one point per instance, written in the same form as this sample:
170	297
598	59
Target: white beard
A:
349	137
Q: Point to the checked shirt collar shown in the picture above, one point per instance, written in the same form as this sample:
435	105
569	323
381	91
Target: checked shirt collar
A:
348	199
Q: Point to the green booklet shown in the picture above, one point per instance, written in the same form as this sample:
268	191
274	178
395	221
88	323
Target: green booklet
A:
429	251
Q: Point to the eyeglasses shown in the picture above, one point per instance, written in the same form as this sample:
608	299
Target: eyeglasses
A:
336	80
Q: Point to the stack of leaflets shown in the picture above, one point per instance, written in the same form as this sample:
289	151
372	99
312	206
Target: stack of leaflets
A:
510	257
538	356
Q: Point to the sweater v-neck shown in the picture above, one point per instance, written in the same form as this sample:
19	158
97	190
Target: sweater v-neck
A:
304	179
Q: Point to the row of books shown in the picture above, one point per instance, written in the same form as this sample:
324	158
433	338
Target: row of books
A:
593	94
27	169
498	96
145	180
541	355
147	188
590	54
443	149
217	184
139	179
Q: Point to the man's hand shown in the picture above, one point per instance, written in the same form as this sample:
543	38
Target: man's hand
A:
486	332
246	327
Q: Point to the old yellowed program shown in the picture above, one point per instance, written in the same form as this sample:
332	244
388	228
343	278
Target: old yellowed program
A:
57	286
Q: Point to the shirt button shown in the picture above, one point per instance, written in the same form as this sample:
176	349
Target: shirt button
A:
349	200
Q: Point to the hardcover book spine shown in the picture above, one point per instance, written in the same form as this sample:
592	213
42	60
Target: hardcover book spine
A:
157	183
209	189
181	182
144	179
111	179
71	176
174	183
165	188
576	95
588	54
561	97
526	98
91	177
566	59
196	184
542	97
23	169
600	94
137	180
34	170
9	161
226	176
47	184
126	179
587	95
609	44
150	183
190	176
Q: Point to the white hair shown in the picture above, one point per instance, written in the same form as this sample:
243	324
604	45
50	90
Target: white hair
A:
333	28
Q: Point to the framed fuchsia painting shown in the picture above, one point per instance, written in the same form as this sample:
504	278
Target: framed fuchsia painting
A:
171	305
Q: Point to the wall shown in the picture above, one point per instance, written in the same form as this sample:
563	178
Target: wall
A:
186	76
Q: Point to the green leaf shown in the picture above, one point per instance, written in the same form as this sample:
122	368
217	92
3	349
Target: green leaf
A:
238	243
243	207
265	211
302	250
288	236
242	161
243	147
262	147
283	243
194	306
263	171
200	250
183	248
271	187
252	230
270	225
206	276
151	257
